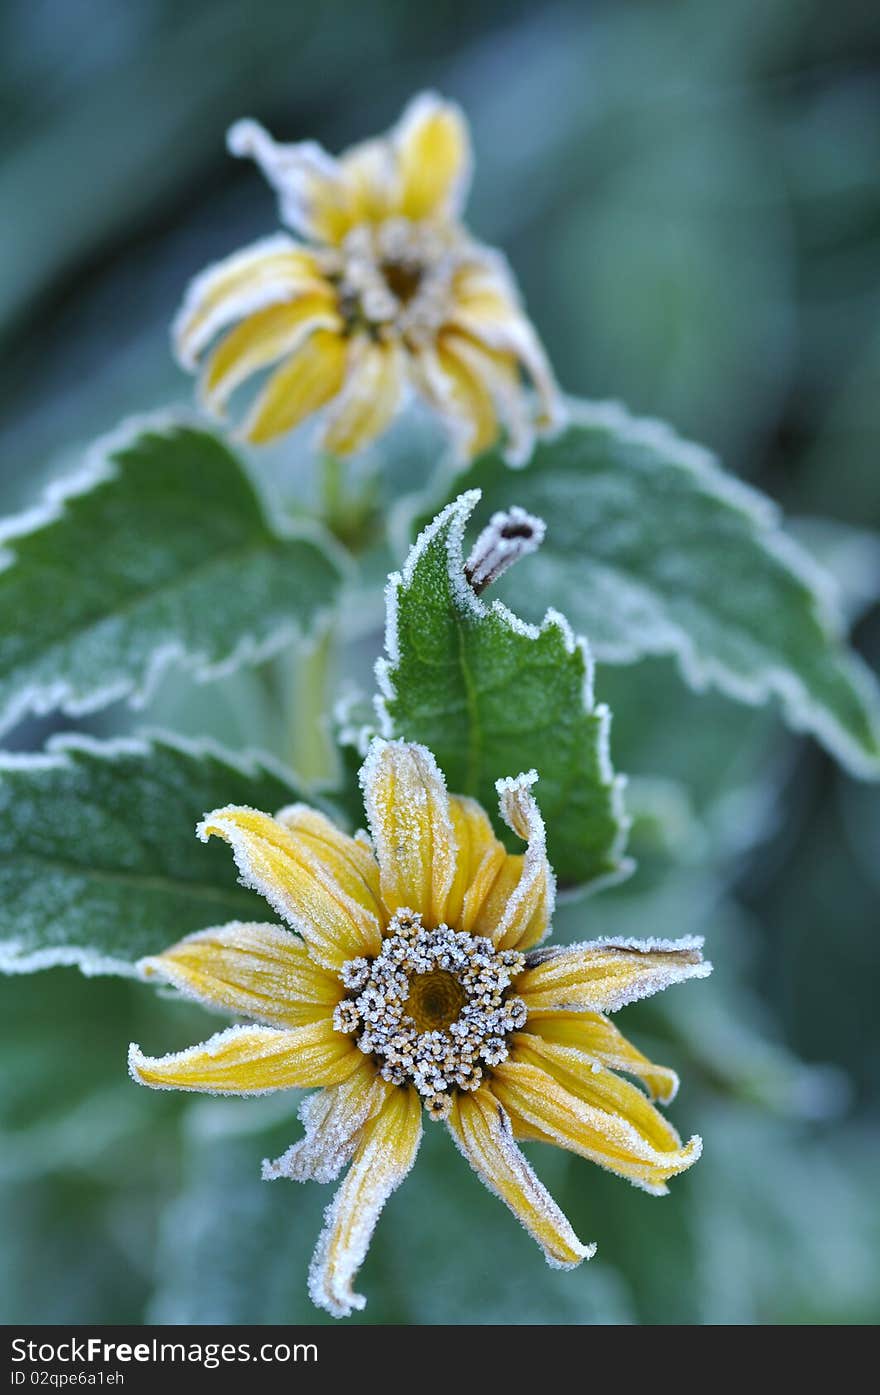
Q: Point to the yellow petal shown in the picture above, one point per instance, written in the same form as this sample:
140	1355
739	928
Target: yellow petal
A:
334	1119
350	856
483	1134
313	194
459	393
432	146
476	388
301	386
598	1039
487	309
498	371
251	1061
270	271
258	971
384	1156
597	1086
494	904
480	857
604	975
408	811
263	338
369	173
541	1108
370	397
484	293
517	909
310	873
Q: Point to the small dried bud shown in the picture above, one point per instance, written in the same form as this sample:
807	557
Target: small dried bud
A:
507	537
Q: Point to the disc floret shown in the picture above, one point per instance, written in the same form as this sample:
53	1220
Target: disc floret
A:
434	1008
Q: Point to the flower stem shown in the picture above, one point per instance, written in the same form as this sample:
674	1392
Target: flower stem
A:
311	750
348	510
334	506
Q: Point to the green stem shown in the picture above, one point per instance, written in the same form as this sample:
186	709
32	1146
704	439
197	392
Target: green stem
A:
311	749
348	512
334	505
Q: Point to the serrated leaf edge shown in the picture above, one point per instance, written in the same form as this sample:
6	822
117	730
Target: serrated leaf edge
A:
100	468
56	755
456	514
802	714
767	517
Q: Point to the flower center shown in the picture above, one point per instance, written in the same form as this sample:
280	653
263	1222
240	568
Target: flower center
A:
402	279
396	276
435	1000
433	1008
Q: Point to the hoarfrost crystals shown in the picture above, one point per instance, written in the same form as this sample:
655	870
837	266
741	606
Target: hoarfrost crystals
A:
433	1007
507	537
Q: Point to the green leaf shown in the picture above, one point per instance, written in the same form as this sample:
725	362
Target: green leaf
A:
99	860
491	697
654	550
159	553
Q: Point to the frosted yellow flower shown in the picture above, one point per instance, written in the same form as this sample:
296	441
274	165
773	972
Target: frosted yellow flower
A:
413	983
386	290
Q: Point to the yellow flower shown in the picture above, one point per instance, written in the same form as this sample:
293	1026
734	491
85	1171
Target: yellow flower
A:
412	983
386	291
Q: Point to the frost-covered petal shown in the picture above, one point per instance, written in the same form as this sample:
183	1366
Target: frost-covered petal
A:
319	880
354	854
433	154
595	1085
604	975
597	1039
305	381
487	309
486	344
251	1061
384	1155
459	392
482	1131
261	340
541	1108
478	368
518	907
369	398
420	170
499	371
313	194
369	172
408	811
480	857
333	1120
270	271
258	971
485	295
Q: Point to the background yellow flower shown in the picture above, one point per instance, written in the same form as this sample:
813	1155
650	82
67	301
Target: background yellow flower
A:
388	291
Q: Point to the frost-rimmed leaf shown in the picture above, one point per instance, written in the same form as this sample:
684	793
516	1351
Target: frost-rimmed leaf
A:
658	551
492	696
158	552
99	859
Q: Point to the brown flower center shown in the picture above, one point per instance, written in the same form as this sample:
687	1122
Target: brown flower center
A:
403	279
397	277
435	1000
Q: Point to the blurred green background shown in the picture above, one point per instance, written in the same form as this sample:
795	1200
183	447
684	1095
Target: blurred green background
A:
689	194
